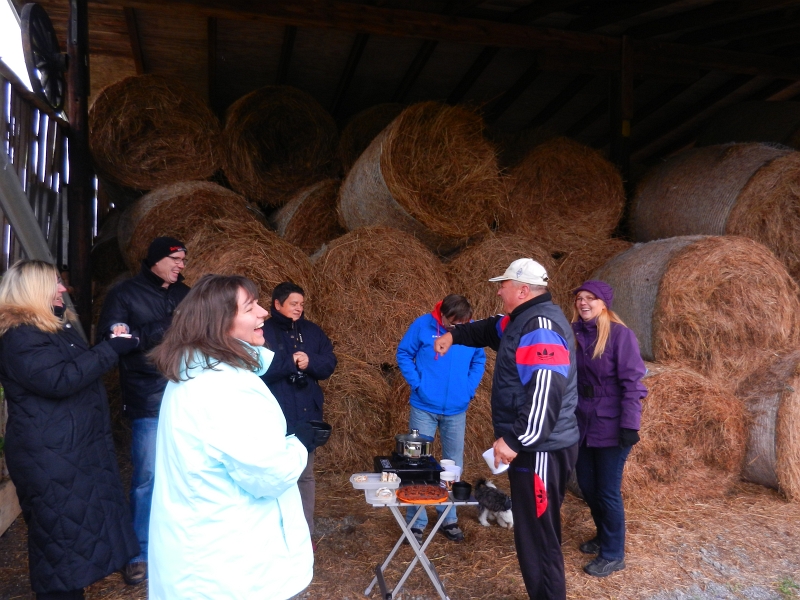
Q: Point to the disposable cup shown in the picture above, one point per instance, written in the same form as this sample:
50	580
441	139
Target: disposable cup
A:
454	469
446	479
488	456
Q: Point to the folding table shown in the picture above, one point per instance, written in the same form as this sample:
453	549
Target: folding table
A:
419	551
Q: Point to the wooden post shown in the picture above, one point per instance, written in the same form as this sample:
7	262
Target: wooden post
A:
622	111
81	191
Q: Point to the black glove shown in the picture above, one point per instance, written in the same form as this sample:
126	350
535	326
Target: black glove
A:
305	433
322	432
123	345
628	437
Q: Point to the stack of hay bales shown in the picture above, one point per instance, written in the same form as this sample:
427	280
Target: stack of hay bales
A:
178	210
237	247
563	194
431	173
361	129
373	282
277	140
693	438
309	219
145	132
752	190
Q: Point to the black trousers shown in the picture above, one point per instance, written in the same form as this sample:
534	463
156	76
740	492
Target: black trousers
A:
538	484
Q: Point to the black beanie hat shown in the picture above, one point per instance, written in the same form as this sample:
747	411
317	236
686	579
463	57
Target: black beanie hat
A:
162	247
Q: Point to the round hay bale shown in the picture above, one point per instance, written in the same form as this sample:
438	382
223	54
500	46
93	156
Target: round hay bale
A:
238	247
693	439
577	266
309	219
145	132
277	139
356	400
772	395
471	269
362	128
479	433
751	190
430	173
178	210
712	303
562	194
373	282
753	121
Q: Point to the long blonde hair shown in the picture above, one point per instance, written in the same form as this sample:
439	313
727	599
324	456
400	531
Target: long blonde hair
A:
604	320
31	285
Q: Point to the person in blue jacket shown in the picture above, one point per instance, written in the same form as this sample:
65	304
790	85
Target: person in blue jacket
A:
441	390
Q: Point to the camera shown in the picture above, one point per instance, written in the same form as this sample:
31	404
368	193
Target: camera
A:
299	379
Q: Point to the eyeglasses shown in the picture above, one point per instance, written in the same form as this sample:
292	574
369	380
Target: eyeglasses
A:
179	261
586	299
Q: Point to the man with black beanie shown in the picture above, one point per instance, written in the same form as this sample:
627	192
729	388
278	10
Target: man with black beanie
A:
142	307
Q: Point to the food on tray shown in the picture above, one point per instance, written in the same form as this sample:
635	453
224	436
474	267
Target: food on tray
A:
389	477
384	493
360	478
422	494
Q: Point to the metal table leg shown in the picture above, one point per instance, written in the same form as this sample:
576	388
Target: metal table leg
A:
419	552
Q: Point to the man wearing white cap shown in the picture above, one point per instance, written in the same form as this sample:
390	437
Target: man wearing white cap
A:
534	396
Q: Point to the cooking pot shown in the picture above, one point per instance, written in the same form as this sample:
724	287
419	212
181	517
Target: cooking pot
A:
413	445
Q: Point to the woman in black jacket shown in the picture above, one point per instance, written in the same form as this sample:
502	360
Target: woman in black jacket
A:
58	446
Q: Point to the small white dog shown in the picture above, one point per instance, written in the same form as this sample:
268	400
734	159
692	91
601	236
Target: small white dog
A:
494	505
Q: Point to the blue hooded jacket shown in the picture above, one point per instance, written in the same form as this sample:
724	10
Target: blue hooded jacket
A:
442	385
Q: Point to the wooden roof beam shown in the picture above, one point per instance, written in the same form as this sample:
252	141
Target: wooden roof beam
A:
289	35
571	90
740	29
133	34
650	57
737	89
356	51
497	107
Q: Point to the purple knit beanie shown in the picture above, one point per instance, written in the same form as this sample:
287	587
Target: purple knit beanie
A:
599	288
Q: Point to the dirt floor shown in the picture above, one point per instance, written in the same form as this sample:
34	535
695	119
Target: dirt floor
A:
746	546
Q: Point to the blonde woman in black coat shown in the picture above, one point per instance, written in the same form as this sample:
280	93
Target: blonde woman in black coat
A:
58	446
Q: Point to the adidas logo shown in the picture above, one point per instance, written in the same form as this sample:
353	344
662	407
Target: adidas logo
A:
545	355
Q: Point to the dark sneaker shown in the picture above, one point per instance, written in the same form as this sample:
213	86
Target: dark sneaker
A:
417	536
134	573
601	567
590	547
452	532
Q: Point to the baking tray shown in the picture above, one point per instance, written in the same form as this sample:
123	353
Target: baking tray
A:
373	482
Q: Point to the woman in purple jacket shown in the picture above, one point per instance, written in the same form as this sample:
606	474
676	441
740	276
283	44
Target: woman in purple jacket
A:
610	392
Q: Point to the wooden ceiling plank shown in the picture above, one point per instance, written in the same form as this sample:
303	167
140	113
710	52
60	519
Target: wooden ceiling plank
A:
332	14
734	30
737	89
497	107
572	89
605	15
471	75
289	35
135	40
353	58
708	16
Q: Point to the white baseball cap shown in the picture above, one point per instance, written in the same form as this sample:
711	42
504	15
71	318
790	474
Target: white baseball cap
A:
524	270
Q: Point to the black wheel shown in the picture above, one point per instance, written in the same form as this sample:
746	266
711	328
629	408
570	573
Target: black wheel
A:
43	58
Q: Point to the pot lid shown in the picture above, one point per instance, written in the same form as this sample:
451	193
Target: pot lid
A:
414	436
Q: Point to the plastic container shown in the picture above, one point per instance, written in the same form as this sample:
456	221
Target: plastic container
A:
446	479
488	456
373	498
373	482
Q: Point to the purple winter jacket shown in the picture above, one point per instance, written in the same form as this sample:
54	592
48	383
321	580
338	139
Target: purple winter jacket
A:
610	388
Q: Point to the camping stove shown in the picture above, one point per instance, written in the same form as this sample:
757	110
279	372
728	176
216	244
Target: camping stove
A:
420	469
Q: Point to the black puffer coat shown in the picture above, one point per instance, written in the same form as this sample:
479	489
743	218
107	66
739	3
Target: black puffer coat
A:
146	307
60	454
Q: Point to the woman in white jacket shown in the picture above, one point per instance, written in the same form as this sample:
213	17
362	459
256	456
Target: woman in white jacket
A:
227	520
